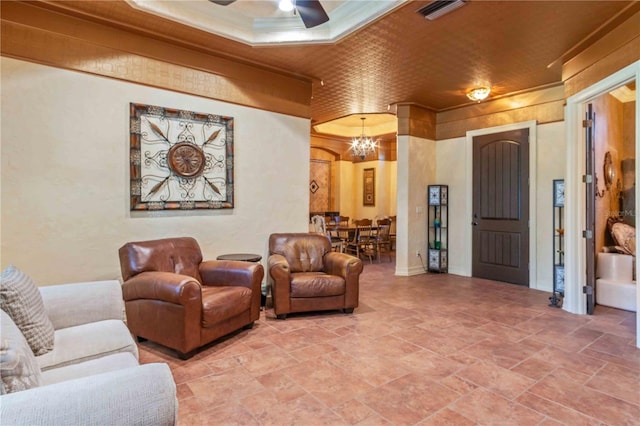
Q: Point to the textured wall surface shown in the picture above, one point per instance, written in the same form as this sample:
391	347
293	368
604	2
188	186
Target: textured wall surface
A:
65	177
550	152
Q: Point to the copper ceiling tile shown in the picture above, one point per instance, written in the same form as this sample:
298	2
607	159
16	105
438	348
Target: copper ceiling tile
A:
403	57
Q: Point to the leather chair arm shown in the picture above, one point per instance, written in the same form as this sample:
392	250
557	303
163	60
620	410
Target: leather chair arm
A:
342	264
349	267
279	268
232	272
165	286
281	289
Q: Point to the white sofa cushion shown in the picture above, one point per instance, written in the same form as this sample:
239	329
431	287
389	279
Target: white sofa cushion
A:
105	364
88	341
142	395
20	298
18	367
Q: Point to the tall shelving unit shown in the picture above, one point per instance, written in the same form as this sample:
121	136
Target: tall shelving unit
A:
438	223
558	244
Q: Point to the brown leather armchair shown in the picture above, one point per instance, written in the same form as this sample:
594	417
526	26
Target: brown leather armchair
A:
308	276
174	298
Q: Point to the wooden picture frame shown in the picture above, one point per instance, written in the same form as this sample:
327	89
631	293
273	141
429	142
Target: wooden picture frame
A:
369	187
180	160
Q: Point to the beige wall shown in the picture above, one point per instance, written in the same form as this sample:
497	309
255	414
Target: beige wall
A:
452	170
416	168
349	190
65	179
384	203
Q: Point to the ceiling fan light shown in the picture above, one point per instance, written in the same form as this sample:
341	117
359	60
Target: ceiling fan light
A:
478	94
285	5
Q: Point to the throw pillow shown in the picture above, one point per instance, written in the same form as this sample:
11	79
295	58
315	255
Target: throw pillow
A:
18	367
625	237
21	300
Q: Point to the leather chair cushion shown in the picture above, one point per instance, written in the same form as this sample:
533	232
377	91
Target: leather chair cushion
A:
316	284
304	252
221	303
177	255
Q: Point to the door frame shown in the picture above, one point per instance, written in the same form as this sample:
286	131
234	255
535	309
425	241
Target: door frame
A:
575	276
533	162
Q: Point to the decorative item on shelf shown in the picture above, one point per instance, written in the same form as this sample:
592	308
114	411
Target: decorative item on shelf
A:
558	244
438	219
438	195
478	94
363	146
558	193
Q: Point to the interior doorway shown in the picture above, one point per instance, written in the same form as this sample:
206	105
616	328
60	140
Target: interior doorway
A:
576	266
613	155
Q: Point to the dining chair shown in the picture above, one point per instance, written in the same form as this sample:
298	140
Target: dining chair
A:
330	220
392	231
363	242
342	220
320	226
383	240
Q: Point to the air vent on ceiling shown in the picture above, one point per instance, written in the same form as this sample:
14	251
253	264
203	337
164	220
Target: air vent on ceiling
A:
438	8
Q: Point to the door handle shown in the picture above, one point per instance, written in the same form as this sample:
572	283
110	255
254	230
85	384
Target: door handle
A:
474	223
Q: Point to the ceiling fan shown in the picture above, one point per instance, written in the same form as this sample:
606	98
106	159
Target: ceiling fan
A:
311	11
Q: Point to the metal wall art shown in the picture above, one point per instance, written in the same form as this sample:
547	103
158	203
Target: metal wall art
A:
180	160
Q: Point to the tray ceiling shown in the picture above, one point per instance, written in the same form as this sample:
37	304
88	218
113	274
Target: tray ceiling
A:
401	57
262	23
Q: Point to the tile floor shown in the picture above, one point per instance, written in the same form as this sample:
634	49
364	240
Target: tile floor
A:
421	350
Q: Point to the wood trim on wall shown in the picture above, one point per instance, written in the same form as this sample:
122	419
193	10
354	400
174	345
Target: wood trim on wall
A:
545	105
611	53
626	55
38	35
415	120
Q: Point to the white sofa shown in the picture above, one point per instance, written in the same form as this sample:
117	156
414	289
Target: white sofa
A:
615	286
92	375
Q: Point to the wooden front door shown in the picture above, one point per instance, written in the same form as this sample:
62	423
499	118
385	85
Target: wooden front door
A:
501	206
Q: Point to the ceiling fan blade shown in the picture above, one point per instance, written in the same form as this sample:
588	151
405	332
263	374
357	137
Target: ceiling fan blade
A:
311	12
222	2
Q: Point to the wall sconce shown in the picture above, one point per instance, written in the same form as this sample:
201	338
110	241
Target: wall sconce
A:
609	175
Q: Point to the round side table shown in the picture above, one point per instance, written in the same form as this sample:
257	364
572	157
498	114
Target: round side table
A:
244	257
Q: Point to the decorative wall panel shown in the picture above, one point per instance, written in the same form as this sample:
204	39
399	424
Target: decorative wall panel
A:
180	159
319	186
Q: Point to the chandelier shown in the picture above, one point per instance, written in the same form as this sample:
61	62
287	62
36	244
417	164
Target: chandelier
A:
362	146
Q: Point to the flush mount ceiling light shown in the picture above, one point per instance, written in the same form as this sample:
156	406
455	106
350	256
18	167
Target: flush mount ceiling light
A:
478	94
362	146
